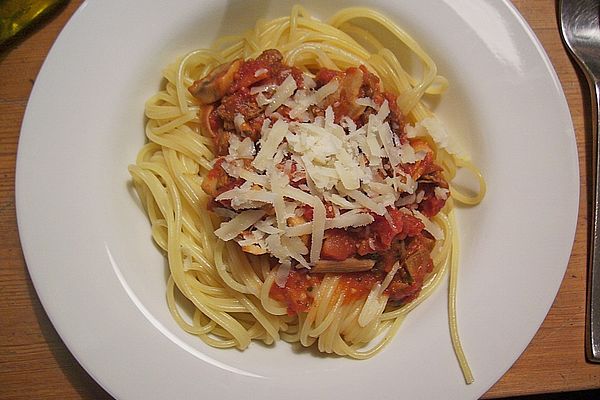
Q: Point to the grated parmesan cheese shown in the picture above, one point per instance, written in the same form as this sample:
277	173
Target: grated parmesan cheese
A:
264	88
282	273
324	91
238	121
441	193
367	102
367	202
285	90
433	127
385	135
269	146
430	226
230	229
341	164
262	100
261	71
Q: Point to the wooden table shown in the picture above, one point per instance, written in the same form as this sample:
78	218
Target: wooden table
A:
34	362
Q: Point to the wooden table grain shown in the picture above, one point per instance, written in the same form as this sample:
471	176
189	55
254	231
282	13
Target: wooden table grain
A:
34	362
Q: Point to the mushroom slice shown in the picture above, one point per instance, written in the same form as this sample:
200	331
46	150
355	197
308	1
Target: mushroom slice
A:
347	265
204	117
214	86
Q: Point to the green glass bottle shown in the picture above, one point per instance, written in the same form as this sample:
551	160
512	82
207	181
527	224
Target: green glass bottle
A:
19	15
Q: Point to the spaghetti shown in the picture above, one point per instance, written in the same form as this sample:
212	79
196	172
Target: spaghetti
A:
326	247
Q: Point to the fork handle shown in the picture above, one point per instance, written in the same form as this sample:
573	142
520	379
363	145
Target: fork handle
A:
593	283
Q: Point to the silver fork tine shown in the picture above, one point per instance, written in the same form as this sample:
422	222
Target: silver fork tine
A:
580	28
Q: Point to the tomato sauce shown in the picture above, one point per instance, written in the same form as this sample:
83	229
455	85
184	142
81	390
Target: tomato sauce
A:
301	286
400	238
298	292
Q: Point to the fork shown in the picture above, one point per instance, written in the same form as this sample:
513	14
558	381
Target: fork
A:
580	26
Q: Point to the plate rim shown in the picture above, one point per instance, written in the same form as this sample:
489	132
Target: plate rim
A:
20	179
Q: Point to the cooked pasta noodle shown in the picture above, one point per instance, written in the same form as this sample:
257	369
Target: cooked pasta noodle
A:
229	288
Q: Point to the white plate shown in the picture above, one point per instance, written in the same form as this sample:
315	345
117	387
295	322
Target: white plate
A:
102	281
